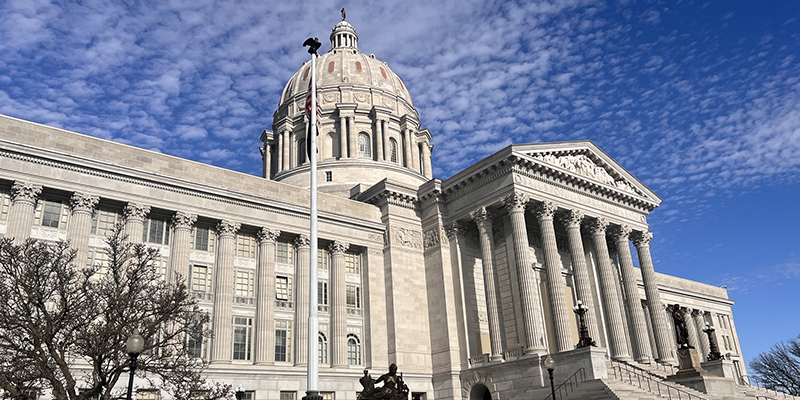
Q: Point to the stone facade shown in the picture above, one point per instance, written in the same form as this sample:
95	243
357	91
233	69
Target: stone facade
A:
464	283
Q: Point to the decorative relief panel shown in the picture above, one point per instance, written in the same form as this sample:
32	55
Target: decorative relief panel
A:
52	235
202	257
284	268
433	237
328	98
407	237
361	97
244	262
375	237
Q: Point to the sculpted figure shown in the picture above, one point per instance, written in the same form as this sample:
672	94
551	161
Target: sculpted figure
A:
393	386
681	332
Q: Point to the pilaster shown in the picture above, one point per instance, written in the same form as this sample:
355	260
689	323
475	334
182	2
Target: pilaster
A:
222	319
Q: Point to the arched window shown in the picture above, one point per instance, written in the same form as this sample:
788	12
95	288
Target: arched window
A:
364	145
393	149
322	348
301	152
353	350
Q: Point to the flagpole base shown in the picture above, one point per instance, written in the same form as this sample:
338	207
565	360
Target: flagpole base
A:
312	395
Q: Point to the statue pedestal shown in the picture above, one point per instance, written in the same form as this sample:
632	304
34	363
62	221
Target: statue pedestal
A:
691	374
723	368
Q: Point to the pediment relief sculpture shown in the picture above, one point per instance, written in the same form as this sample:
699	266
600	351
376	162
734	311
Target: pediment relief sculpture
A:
582	165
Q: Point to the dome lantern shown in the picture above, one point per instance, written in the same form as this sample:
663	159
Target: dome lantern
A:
344	35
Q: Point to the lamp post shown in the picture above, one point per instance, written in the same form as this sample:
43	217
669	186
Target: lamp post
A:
239	393
585	340
713	354
134	346
551	366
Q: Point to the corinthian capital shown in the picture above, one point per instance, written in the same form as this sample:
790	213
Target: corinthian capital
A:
338	247
80	202
137	212
571	218
598	226
182	220
227	228
516	201
544	210
642	239
481	215
24	191
268	235
302	242
620	233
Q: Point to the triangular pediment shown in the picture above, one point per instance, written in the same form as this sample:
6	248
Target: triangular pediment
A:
586	161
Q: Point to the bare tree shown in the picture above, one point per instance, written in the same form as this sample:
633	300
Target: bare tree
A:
63	327
779	368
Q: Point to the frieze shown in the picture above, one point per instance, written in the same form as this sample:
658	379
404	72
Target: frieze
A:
328	98
407	237
389	102
431	238
375	237
361	97
51	235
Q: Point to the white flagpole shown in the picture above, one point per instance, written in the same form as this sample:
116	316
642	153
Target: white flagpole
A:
312	388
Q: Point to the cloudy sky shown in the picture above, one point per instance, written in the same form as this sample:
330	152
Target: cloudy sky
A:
700	100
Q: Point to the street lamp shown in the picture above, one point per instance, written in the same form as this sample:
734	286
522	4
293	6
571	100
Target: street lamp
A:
134	346
713	354
585	340
239	393
551	366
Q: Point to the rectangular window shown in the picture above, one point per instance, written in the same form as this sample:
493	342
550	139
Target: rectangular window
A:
161	266
201	278
5	205
99	258
283	253
328	176
287	396
245	246
352	263
283	340
147	394
242	337
283	288
353	296
203	239
155	231
327	395
52	214
247	395
322	293
322	259
245	284
195	342
104	220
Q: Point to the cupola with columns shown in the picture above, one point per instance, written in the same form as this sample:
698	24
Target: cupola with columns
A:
368	130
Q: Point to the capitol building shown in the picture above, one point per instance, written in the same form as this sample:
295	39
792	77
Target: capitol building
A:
467	283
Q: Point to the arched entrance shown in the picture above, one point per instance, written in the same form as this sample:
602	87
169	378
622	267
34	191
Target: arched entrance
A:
480	392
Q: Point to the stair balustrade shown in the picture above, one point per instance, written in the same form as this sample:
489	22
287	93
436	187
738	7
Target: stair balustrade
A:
569	385
649	382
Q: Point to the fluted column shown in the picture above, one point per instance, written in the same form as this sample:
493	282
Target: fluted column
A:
483	219
415	161
651	333
426	149
378	140
387	156
284	150
342	138
664	337
351	135
610	295
80	225
699	324
338	291
534	339
264	342
301	274
181	242
572	221
544	213
134	215
621	236
693	339
222	319
407	148
20	214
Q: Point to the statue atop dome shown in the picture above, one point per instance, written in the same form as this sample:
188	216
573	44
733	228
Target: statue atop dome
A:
344	15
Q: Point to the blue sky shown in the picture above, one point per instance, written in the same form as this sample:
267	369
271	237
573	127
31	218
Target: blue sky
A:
700	100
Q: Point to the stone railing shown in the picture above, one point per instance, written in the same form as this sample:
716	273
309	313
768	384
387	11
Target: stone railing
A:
203	296
243	300
284	304
354	311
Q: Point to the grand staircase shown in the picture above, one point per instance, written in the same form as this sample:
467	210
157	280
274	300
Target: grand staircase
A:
634	381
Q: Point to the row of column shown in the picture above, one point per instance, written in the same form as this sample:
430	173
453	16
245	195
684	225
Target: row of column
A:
20	222
411	154
611	297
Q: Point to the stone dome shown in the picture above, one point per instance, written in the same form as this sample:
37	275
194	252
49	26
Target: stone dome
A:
368	127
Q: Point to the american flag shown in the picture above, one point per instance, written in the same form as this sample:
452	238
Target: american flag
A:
308	114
